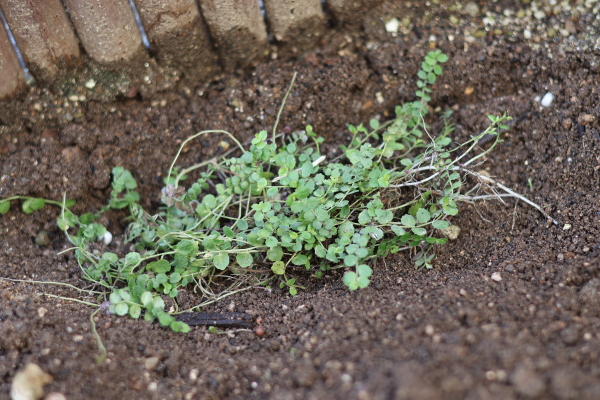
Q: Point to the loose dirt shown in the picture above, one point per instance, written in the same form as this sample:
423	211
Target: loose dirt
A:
448	333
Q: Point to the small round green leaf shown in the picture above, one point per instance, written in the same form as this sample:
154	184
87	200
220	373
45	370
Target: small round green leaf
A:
278	268
419	231
174	277
364	270
158	302
31	205
299	259
146	299
160	266
275	253
121	309
272	192
244	260
242	225
408	220
5	206
160	279
423	215
165	319
134	311
385	217
221	261
350	280
440	224
110	257
398	230
271	241
114	298
62	224
350	260
180	326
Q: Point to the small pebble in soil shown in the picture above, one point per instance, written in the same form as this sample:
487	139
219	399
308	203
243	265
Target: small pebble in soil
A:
42	239
472	9
29	383
451	232
429	330
42	311
496	277
259	331
585	119
194	375
547	99
55	396
490	375
392	26
151	363
570	335
107	238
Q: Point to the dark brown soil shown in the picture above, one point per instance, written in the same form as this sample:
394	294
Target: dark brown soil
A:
448	333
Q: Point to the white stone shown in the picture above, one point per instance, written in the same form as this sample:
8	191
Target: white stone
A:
547	99
392	26
107	238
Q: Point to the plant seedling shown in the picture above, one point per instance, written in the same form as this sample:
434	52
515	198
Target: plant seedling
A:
280	205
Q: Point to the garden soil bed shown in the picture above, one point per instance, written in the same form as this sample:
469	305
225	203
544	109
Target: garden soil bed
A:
447	333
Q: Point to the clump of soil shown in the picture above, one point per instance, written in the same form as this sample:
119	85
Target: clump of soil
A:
452	332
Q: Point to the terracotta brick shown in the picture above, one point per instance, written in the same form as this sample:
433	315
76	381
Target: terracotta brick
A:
44	35
296	24
238	31
12	80
350	12
178	35
107	29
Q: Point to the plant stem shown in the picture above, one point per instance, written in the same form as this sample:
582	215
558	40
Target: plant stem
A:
282	105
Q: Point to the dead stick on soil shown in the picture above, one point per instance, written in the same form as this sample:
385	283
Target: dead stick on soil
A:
283	104
510	193
514	216
51	283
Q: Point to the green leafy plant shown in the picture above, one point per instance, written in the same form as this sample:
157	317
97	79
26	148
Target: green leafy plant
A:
279	204
30	204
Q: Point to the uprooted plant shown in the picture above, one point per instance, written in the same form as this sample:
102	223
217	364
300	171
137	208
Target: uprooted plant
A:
280	203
